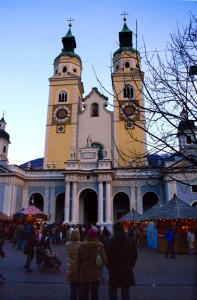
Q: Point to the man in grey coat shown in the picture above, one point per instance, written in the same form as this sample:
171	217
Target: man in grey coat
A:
122	255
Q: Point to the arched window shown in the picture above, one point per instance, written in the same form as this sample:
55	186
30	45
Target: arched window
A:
189	139
94	110
128	92
4	149
63	96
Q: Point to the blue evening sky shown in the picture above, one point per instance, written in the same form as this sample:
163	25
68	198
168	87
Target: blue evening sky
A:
30	39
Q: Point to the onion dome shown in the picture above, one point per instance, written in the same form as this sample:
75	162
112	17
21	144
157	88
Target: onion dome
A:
185	124
125	40
69	44
3	134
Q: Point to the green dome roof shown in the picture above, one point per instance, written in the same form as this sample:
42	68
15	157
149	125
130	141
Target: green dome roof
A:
125	40
4	135
69	44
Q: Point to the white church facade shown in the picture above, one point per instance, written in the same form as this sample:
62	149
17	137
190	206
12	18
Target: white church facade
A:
91	171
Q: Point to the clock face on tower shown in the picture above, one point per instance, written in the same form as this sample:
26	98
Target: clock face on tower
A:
128	111
61	113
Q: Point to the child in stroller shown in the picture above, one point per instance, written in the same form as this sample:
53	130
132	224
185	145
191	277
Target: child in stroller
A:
45	259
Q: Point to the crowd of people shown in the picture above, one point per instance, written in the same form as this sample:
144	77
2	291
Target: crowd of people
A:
84	246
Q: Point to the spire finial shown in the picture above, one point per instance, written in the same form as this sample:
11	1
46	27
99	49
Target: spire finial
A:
124	14
70	20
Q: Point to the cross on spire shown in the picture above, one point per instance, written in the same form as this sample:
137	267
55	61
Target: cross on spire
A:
124	14
70	20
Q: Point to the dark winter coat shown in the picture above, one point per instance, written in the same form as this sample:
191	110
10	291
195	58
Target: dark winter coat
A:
122	255
31	242
86	260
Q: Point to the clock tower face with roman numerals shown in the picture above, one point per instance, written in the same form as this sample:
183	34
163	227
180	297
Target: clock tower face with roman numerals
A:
61	114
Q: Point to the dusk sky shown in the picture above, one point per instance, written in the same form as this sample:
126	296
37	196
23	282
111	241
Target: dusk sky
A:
31	33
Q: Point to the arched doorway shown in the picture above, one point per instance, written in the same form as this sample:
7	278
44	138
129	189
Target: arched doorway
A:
59	211
121	206
37	200
194	204
149	200
88	207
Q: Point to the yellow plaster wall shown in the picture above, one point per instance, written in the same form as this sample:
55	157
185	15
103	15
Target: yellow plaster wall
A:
59	146
129	142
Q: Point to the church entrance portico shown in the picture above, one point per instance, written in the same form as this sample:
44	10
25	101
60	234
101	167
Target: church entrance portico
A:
59	211
121	205
149	199
88	207
37	200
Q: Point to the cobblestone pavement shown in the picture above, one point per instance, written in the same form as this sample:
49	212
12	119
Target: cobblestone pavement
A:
156	277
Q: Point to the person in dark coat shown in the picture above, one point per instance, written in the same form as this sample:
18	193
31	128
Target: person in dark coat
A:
122	255
31	242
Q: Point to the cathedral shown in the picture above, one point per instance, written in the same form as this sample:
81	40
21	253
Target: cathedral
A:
92	170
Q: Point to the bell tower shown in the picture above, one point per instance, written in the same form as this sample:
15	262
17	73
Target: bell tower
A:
64	104
129	119
187	132
4	142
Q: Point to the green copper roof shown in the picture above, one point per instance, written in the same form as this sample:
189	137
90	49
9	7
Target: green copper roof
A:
69	33
125	28
69	53
121	49
69	44
125	40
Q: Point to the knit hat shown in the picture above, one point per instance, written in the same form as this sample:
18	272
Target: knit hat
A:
93	232
74	235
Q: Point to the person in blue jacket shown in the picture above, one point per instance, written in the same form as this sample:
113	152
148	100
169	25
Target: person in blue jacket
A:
170	239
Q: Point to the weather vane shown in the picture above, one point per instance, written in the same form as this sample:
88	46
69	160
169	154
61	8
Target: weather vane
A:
70	20
124	14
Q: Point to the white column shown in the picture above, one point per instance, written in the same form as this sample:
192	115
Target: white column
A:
74	202
67	203
52	205
132	198
25	197
172	189
46	201
108	204
139	200
100	203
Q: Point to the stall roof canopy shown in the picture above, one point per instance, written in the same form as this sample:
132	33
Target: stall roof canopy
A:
173	209
132	216
31	210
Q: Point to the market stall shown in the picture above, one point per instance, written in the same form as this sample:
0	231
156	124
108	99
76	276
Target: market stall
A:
175	213
131	220
130	217
31	214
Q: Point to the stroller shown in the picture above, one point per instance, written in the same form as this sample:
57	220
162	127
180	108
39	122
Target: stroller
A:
46	260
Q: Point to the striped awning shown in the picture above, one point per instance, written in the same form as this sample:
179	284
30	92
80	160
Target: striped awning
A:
31	210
